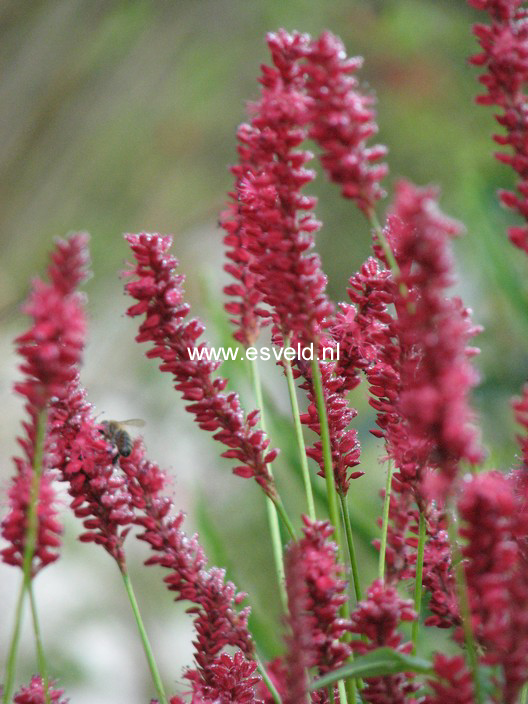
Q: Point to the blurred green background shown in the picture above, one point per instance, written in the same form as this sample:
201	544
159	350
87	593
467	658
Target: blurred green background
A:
121	116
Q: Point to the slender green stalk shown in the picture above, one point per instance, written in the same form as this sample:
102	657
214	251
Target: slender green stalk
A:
418	583
385	522
300	440
284	517
389	254
331	492
27	562
350	690
13	646
32	519
524	694
351	548
267	681
41	659
273	518
158	684
465	611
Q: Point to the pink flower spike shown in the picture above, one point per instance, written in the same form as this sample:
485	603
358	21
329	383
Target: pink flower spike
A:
269	224
51	352
343	120
175	340
504	59
377	618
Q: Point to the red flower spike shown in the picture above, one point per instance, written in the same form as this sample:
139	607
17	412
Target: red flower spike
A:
438	573
270	228
300	646
435	375
217	621
86	463
274	130
495	525
34	693
504	59
454	684
51	352
343	121
158	290
343	439
377	618
325	593
230	680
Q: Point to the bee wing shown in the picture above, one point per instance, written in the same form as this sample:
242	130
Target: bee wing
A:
133	422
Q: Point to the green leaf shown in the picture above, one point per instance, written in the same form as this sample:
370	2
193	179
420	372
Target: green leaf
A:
382	661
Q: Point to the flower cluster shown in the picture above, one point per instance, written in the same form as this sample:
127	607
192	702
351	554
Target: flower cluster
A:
325	593
505	60
454	683
435	375
86	463
377	618
343	120
271	224
300	646
159	295
344	441
214	601
494	519
35	693
15	524
308	92
50	351
398	329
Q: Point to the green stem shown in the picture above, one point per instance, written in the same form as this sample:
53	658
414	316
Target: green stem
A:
267	681
300	440
331	492
271	510
32	519
27	561
385	523
389	254
465	611
328	464
284	517
13	647
158	684
351	548
41	659
524	694
418	583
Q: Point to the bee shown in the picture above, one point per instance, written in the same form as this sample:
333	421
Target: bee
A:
116	433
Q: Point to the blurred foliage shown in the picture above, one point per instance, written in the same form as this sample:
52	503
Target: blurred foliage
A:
121	116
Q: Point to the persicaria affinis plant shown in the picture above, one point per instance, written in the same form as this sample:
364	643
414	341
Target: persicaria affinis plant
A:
452	534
